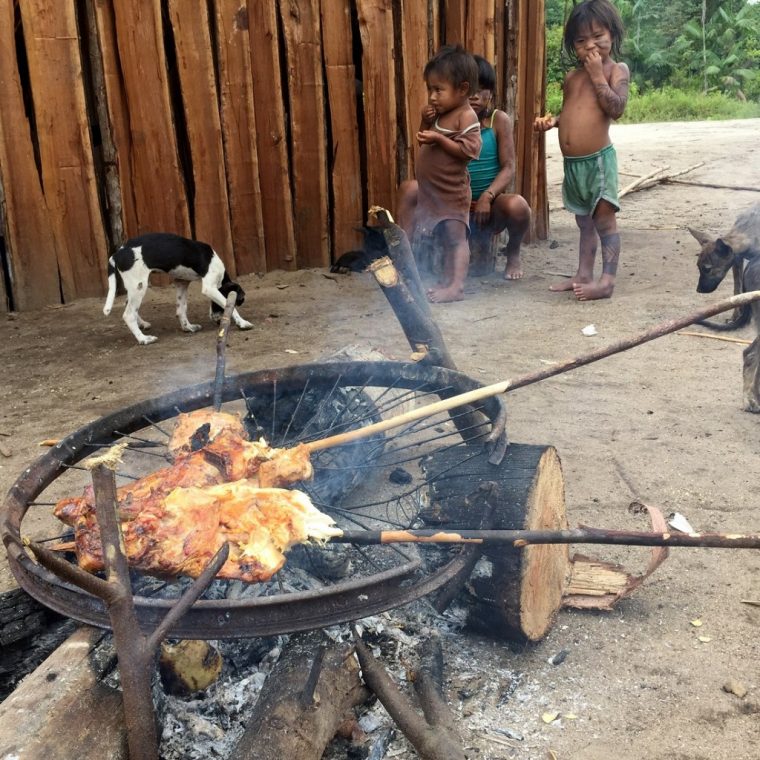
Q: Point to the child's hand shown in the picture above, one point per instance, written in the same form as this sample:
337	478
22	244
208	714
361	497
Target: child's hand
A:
544	123
428	137
593	65
482	212
428	114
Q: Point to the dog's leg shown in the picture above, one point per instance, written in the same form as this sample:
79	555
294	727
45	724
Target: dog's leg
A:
132	317
751	376
185	324
210	288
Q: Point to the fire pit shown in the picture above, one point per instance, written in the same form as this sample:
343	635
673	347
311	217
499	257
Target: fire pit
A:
355	484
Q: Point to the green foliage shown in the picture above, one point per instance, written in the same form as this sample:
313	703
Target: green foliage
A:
671	48
671	104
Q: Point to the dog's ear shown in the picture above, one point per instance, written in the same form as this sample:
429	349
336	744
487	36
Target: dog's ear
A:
723	249
701	237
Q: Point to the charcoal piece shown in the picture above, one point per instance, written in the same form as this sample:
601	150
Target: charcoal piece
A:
400	476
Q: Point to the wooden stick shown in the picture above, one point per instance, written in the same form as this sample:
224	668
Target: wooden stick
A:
565	366
743	341
521	538
221	349
641	180
711	184
651	179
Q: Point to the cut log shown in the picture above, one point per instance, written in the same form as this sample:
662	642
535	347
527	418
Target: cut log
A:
63	709
303	702
512	593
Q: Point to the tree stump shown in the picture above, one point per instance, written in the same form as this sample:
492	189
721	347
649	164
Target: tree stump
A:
511	593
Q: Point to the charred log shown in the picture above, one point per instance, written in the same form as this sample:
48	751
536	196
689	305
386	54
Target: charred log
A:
302	706
434	736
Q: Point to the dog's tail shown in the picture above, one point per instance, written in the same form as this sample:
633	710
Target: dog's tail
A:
111	287
740	319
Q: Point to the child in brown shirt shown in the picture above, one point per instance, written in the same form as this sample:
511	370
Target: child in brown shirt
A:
449	138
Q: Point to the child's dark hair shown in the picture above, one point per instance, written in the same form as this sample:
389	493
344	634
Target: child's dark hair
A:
486	74
604	13
455	65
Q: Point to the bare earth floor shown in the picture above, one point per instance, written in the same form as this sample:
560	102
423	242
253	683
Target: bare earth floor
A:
662	423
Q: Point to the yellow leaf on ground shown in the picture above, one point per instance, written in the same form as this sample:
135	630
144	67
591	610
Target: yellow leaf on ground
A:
549	717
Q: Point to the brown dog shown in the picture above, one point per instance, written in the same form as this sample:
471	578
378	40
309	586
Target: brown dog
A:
740	245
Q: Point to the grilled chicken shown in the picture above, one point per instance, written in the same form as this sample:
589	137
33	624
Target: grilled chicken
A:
173	521
195	429
180	533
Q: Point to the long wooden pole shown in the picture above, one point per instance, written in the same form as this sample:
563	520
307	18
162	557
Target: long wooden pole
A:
522	538
509	385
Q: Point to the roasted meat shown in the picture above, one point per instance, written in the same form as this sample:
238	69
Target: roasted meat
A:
195	429
173	520
180	533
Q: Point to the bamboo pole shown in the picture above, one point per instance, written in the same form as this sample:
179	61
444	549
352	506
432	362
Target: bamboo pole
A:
509	385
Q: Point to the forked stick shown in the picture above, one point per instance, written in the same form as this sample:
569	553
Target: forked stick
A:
487	391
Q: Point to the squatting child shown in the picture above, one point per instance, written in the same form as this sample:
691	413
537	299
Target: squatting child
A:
594	94
449	138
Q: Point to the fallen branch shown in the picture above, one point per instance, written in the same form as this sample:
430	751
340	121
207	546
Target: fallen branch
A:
743	341
710	184
637	183
650	180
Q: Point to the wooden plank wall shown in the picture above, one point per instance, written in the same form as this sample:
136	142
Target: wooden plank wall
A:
266	127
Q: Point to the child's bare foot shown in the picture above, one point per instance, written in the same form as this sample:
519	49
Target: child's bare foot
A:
513	269
561	287
591	291
445	295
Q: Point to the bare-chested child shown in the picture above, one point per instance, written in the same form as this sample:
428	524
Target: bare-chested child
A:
449	138
594	94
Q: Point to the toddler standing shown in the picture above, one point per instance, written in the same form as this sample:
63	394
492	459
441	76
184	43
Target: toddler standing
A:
594	94
449	138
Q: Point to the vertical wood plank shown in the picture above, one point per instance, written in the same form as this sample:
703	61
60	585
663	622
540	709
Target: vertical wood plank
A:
479	29
276	198
500	50
531	157
376	31
30	243
239	136
345	176
303	48
159	188
63	132
414	56
209	205
118	114
456	22
537	160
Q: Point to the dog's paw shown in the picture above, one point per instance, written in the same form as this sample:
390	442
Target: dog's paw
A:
244	325
191	328
146	339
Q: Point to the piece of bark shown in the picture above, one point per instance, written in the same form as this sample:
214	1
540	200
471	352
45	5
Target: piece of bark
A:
63	710
295	715
598	585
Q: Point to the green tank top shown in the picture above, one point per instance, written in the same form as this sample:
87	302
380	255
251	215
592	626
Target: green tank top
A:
483	169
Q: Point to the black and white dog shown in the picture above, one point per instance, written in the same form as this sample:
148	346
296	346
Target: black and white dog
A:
183	259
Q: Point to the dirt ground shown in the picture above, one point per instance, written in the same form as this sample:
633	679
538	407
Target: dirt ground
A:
662	423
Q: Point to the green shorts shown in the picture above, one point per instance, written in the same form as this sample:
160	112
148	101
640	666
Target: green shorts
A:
588	179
